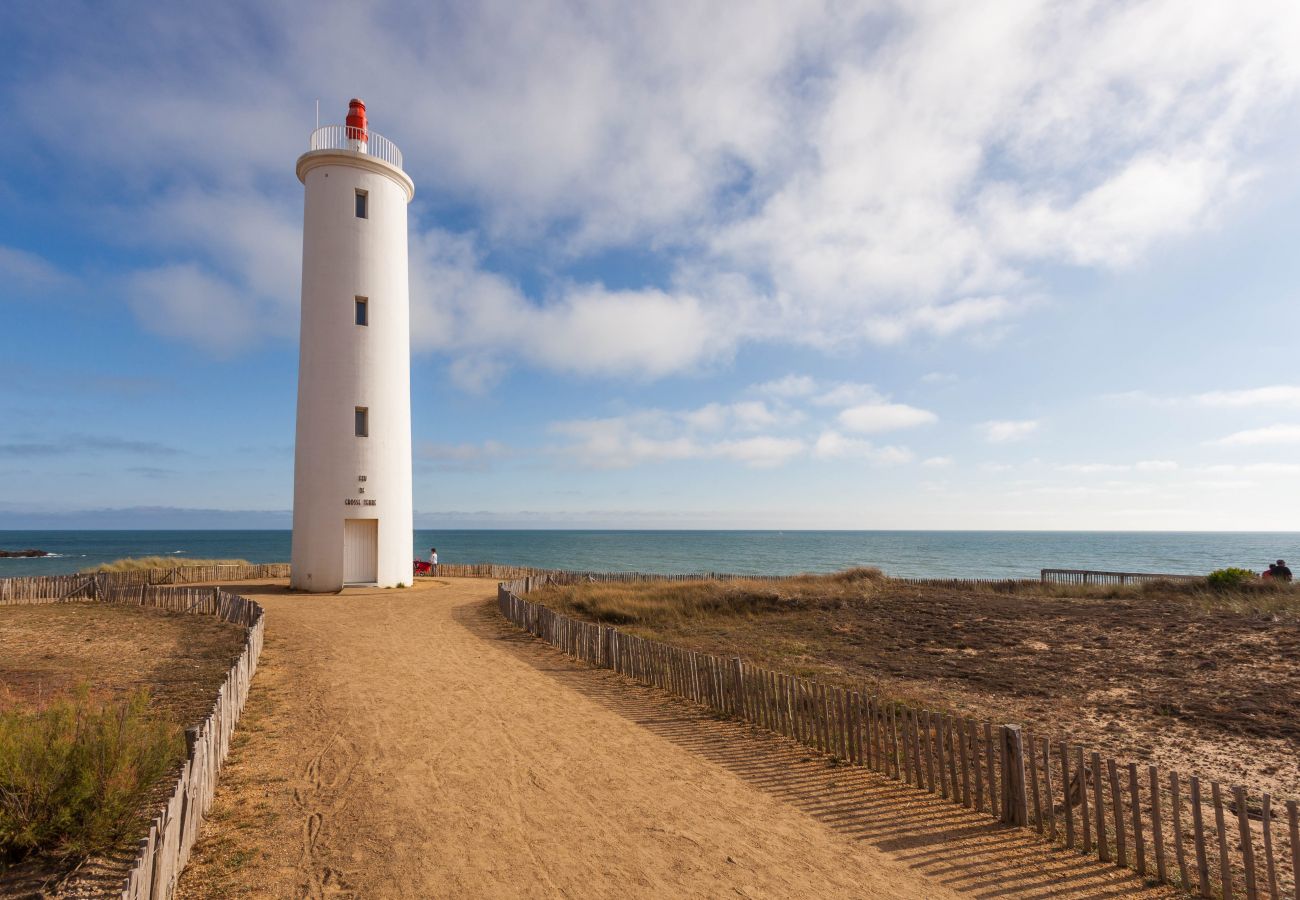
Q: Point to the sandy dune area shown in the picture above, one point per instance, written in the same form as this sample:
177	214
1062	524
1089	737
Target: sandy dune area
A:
408	743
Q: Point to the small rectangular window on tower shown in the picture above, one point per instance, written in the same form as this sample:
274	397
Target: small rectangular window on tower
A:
362	212
363	421
363	311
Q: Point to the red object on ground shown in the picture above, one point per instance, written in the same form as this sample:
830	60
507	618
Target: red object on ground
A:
423	568
356	121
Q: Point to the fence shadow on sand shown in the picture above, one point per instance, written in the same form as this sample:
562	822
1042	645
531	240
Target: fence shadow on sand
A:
960	849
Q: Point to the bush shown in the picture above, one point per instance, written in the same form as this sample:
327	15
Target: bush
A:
1229	579
74	774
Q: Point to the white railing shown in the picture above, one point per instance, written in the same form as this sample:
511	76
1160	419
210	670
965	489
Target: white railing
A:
344	137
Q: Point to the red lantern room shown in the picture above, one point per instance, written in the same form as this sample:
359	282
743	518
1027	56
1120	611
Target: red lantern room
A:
356	121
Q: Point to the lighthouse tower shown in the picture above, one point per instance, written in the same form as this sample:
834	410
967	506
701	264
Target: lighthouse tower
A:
352	519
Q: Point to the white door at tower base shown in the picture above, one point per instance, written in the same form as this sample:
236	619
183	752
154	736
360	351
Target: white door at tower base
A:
360	551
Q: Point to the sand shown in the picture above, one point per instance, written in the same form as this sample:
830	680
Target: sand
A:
408	743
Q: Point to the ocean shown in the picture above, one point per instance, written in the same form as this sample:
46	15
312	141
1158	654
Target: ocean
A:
940	554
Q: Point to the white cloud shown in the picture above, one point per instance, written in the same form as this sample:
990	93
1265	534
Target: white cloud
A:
465	457
1252	469
1269	435
848	394
187	302
747	415
846	174
723	431
20	269
622	442
833	445
760	452
873	418
460	309
1277	395
790	386
1006	431
937	462
656	437
1145	466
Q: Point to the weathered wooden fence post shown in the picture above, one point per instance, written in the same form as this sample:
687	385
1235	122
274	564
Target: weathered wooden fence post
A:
738	676
1015	808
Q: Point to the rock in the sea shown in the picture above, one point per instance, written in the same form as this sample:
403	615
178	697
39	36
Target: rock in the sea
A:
23	553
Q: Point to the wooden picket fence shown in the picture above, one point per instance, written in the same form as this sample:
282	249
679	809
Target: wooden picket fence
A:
574	576
93	585
1129	814
1090	576
577	576
163	852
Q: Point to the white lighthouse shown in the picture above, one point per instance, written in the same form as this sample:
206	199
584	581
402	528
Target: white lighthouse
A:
352	519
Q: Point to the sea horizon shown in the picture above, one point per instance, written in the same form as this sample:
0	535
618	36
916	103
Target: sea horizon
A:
984	553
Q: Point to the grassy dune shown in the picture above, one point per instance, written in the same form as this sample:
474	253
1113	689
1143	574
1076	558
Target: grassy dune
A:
678	603
655	605
136	563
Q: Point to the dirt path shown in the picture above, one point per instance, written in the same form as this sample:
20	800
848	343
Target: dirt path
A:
410	744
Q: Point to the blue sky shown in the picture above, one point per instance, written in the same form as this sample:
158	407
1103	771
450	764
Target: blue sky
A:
790	265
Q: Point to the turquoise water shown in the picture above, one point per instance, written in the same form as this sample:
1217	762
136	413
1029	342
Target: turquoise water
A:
982	554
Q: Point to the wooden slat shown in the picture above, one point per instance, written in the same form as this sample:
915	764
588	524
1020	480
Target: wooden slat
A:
1032	757
988	765
1047	789
1067	796
1117	813
1176	813
1225	862
963	754
1247	847
893	739
1157	824
1293	819
949	734
930	746
1198	839
1270	868
1099	809
1135	808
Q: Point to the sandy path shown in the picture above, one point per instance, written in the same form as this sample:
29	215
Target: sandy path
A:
410	744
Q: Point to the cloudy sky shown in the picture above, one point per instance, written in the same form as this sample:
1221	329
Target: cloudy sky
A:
844	265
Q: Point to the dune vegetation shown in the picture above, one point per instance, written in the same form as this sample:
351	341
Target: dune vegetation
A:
653	605
1198	675
137	563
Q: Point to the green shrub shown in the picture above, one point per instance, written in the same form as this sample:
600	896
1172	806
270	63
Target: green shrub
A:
74	774
1230	578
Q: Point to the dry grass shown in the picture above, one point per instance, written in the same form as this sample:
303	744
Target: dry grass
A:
675	603
658	604
1204	681
47	650
137	563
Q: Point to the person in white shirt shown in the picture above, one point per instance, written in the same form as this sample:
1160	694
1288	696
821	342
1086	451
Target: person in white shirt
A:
433	560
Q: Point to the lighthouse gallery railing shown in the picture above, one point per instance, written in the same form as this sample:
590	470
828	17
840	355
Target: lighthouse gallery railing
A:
343	137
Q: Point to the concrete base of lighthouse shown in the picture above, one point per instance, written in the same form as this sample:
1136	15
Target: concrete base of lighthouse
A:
350	551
